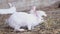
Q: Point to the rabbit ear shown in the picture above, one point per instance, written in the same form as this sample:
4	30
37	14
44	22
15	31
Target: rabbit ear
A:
33	9
10	4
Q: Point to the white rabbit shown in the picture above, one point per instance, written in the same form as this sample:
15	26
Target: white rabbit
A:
10	10
19	19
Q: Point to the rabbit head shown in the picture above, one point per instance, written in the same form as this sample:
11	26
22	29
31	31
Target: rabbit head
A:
12	8
38	13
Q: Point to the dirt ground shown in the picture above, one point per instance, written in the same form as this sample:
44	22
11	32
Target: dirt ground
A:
50	26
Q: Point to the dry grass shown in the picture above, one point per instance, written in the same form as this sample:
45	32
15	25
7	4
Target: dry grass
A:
50	26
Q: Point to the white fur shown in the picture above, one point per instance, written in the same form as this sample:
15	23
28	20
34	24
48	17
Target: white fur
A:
41	13
19	19
10	10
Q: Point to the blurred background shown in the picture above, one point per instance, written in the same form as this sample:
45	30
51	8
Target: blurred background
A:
51	7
